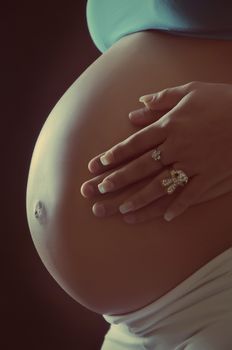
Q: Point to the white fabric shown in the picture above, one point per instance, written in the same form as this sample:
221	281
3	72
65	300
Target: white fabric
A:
195	315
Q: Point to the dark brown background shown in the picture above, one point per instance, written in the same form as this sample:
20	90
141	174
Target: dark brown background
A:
45	46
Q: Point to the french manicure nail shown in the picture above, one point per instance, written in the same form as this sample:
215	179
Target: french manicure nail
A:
135	115
105	186
125	207
146	99
168	216
106	158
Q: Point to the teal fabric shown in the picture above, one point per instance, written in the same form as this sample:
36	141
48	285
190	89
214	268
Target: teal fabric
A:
109	20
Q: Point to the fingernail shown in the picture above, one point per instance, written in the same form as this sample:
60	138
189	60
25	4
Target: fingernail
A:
98	210
146	98
168	216
105	186
106	158
88	190
125	207
93	167
135	115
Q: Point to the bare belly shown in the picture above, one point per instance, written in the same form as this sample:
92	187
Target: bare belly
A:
107	265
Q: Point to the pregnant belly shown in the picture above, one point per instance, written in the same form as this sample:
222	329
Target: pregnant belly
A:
107	265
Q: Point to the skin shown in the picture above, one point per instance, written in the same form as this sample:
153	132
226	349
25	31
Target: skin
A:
199	112
107	265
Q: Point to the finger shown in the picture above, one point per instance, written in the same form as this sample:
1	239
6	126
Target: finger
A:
188	197
132	172
146	195
94	166
167	98
109	206
142	140
135	145
144	116
89	189
105	208
153	210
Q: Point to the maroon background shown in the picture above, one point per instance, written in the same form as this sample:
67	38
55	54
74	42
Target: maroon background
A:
45	46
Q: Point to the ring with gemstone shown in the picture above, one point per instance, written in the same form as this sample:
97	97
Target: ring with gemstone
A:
156	154
178	178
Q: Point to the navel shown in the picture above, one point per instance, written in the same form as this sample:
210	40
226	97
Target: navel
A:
40	212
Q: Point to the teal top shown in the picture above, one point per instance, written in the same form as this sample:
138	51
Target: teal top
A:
109	20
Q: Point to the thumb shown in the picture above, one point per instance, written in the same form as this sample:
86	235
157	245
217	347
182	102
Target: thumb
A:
167	98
